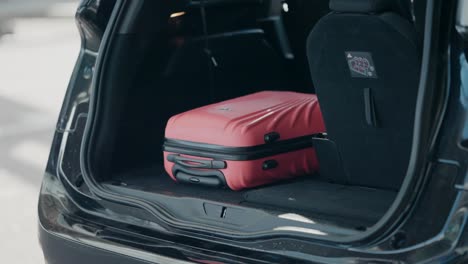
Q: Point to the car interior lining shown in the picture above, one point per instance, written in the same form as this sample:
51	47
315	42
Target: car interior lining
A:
181	59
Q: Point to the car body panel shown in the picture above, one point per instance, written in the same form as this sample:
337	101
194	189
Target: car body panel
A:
74	221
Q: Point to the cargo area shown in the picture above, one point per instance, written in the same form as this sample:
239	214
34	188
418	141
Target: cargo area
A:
323	202
179	55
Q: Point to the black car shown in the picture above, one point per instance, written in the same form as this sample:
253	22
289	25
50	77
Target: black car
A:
392	81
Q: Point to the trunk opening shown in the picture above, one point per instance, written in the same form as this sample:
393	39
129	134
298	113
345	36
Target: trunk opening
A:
175	62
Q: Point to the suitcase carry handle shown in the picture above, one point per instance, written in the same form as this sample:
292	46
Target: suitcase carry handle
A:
194	179
210	178
196	163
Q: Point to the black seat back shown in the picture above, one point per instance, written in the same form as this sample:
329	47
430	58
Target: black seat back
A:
227	65
365	60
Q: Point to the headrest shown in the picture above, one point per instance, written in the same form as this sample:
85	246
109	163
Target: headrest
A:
364	6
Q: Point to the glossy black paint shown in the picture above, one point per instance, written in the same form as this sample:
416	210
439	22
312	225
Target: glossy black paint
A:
71	252
78	226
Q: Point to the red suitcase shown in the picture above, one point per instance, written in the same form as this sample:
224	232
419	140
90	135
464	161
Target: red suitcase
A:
244	142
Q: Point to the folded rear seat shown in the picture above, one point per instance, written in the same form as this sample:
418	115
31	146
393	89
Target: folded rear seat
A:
365	61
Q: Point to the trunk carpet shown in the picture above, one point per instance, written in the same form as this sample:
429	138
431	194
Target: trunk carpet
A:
325	198
339	204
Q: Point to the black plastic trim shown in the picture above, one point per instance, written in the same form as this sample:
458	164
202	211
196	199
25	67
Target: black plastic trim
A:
182	174
369	106
196	163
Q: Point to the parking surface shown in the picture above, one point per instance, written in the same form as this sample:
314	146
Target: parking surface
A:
35	65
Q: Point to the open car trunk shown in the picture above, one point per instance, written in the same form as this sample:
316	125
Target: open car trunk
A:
175	61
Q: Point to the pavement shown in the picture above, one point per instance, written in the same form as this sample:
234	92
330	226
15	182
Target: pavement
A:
36	63
35	8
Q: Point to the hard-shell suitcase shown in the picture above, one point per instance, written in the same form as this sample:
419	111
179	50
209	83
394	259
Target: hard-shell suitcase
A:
244	142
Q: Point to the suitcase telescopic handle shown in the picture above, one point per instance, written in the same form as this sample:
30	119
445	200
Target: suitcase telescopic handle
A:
196	163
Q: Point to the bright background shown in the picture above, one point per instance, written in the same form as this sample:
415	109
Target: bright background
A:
39	44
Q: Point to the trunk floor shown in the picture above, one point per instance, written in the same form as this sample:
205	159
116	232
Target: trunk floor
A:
349	206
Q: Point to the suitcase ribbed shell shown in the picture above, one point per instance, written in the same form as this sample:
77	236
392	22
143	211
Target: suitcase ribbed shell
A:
244	121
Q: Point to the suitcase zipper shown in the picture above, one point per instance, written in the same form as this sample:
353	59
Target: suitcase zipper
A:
238	153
